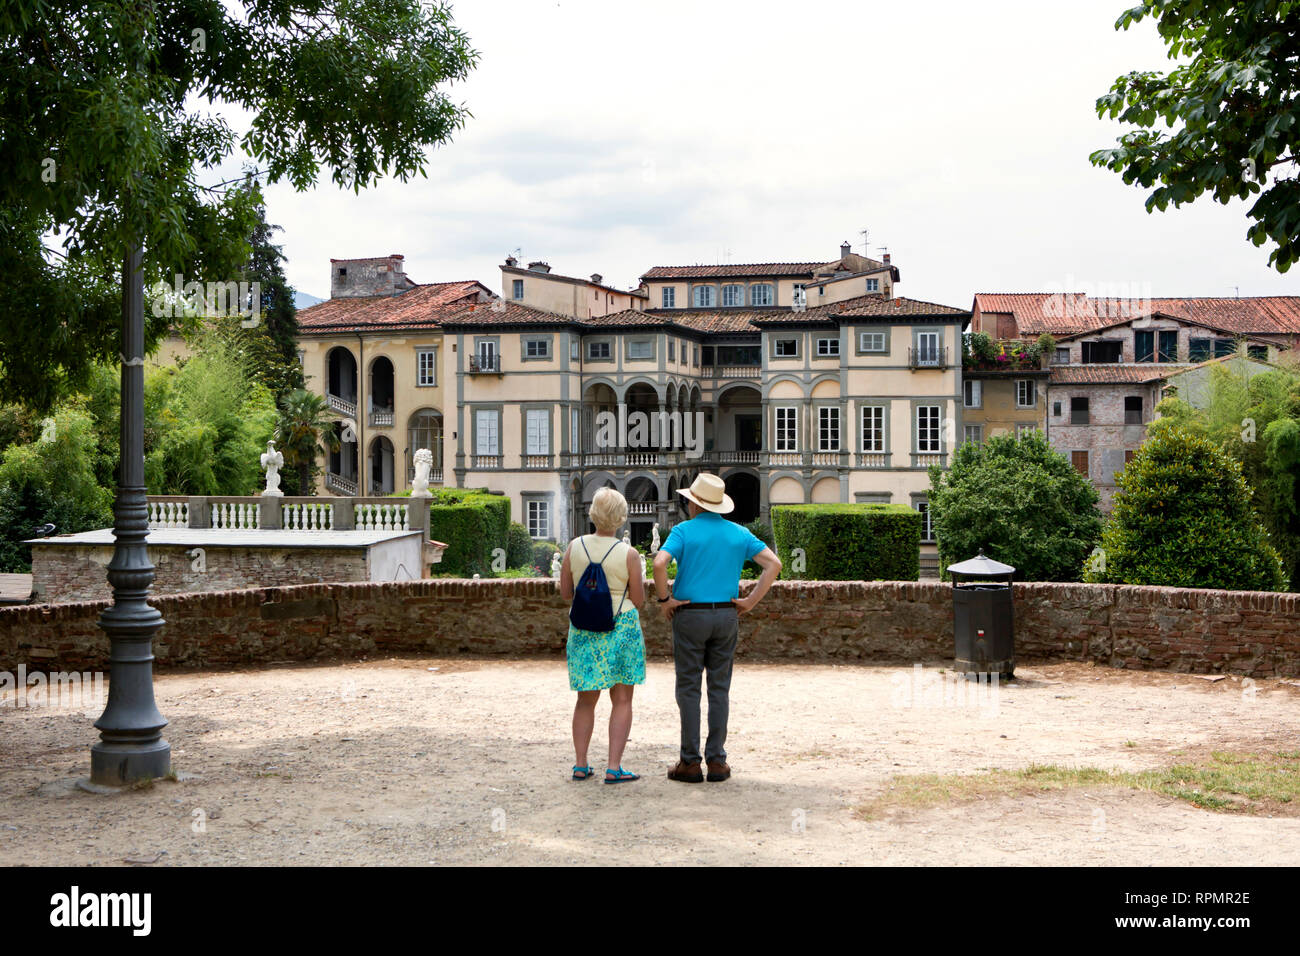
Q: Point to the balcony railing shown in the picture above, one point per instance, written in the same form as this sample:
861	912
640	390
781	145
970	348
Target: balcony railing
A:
538	462
485	365
485	462
381	417
264	513
642	507
169	512
731	371
926	459
341	405
733	457
435	475
785	459
344	486
873	459
927	358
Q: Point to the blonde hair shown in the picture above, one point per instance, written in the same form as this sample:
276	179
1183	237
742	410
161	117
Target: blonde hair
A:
608	510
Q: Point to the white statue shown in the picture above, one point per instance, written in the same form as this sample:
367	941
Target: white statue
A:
423	465
627	538
272	461
654	539
557	560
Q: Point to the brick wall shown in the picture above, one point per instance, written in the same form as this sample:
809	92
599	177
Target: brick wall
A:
68	573
894	622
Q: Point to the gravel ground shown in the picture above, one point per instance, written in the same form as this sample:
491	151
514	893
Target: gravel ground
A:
455	761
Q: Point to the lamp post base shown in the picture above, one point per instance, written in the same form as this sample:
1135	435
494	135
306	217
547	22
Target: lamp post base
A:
119	765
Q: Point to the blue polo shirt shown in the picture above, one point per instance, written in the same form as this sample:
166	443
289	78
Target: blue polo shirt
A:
710	552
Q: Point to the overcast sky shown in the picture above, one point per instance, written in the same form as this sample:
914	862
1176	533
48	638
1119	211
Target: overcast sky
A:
612	137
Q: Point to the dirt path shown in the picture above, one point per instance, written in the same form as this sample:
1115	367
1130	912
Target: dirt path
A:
467	762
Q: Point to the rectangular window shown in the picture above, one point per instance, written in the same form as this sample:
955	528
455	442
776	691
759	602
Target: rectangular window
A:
828	347
787	348
972	393
1144	346
761	294
927	348
539	519
670	298
1129	455
927	429
487	356
733	295
640	349
873	428
1257	352
927	527
695	352
828	429
787	429
574	348
706	296
1079	459
1025	429
1056	409
1168	346
708	355
1079	411
597	350
1133	410
426	367
871	342
973	434
1062	356
1102	353
486	438
517	289
538	438
873	285
672	350
1224	347
537	348
1026	394
1198	350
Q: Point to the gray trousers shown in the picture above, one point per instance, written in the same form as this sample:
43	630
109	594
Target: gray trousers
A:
704	640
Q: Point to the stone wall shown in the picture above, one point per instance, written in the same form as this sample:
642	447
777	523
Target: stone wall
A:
895	622
71	573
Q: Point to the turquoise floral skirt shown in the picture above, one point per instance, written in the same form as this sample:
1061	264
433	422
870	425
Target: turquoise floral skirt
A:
601	659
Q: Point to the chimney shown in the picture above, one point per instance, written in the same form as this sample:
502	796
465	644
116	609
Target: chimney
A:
539	267
511	261
354	278
886	258
845	249
596	278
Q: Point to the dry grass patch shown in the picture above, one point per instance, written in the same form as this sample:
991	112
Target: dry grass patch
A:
1229	782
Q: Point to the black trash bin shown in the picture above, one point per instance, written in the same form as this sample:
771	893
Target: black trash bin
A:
983	617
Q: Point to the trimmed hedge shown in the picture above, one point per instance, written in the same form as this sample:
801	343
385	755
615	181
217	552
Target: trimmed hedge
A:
519	548
473	523
848	542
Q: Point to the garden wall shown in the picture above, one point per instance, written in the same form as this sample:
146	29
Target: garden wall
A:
1241	632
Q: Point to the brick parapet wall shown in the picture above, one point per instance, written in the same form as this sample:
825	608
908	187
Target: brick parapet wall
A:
1251	633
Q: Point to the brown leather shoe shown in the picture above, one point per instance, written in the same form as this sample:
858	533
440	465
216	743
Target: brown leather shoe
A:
685	772
718	771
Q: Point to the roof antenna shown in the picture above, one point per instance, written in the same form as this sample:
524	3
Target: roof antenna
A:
865	233
1237	289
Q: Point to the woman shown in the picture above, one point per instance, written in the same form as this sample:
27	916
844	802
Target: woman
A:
606	659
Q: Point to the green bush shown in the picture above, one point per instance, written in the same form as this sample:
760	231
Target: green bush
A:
848	542
473	524
763	532
519	546
1183	519
542	551
1021	502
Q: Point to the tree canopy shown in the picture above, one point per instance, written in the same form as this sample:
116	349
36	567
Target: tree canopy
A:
1019	501
1230	106
109	123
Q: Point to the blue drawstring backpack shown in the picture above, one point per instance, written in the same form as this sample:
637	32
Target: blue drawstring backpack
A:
593	607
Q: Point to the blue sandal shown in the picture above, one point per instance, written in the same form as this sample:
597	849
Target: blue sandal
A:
581	773
620	775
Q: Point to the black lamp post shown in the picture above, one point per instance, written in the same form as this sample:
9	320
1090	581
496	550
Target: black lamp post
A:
131	745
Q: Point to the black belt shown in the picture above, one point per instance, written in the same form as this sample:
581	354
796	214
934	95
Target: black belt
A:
705	606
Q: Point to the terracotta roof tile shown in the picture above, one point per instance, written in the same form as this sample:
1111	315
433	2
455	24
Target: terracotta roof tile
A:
1111	374
424	307
1074	312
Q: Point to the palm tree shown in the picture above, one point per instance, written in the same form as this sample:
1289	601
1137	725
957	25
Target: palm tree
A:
302	435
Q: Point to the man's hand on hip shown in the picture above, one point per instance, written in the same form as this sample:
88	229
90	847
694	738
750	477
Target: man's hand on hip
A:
746	604
666	608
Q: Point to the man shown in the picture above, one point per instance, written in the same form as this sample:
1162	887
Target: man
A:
704	607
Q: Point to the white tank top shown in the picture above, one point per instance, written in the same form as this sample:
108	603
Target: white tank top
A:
615	565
